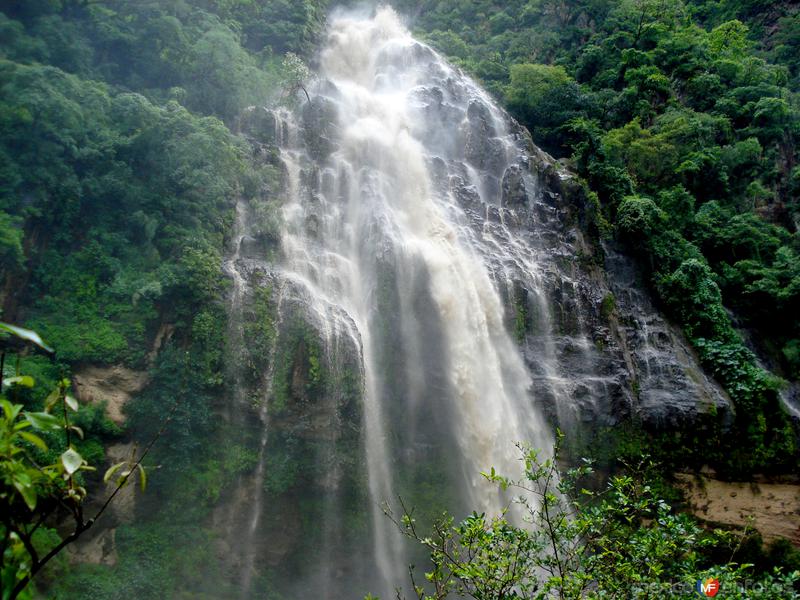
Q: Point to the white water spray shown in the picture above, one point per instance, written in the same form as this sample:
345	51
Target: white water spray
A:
379	201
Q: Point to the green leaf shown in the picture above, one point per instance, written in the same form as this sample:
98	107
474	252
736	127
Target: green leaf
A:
77	430
43	421
24	380
51	399
26	335
10	410
34	439
71	460
142	477
113	469
72	403
28	494
20	425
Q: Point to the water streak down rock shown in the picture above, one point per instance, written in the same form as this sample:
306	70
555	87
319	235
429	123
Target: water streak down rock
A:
440	300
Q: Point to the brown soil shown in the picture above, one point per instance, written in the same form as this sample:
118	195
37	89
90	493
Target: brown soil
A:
115	385
773	509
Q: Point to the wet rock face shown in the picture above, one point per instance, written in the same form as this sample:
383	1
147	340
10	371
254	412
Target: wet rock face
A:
514	194
483	151
438	286
598	351
611	355
673	391
319	127
303	387
260	125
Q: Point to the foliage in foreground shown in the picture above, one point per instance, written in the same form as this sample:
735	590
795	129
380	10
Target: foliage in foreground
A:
557	539
36	482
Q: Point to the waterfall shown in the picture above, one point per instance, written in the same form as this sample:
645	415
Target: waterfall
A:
373	225
430	314
433	296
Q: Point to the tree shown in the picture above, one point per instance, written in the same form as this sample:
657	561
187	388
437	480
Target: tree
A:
543	97
11	254
638	219
639	15
729	41
224	77
296	73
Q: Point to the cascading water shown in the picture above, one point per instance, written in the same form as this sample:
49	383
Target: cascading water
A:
430	307
370	215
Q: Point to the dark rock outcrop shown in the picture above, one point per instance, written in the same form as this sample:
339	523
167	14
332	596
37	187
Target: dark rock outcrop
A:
319	127
260	125
638	366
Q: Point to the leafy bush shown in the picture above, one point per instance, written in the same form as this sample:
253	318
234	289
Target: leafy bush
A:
558	539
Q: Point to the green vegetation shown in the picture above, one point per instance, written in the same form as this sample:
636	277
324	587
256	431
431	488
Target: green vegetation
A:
119	170
44	472
608	305
620	541
683	117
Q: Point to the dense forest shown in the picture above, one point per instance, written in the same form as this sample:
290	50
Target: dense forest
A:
122	157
